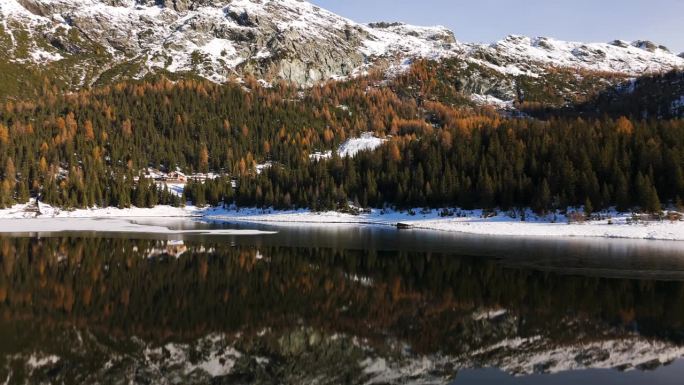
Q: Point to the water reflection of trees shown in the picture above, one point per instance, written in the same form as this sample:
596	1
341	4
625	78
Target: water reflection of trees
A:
426	299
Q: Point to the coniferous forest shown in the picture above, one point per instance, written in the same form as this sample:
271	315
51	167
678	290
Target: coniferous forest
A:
90	147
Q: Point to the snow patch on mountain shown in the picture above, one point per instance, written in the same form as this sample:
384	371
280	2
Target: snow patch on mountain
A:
352	147
42	56
489	100
14	8
367	142
408	40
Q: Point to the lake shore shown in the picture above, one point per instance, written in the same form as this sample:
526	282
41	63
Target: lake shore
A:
20	219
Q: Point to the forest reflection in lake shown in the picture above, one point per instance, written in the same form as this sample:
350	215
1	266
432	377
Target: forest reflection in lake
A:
87	309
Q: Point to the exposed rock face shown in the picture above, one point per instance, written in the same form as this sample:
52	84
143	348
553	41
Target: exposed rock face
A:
478	82
645	45
178	5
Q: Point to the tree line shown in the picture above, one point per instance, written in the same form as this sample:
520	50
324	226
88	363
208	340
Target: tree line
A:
90	148
509	164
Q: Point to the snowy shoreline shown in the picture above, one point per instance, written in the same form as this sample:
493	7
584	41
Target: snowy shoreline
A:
19	219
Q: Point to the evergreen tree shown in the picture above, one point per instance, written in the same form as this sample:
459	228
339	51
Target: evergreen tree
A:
588	208
543	199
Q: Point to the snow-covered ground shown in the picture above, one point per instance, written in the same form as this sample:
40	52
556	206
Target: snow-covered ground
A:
102	225
473	222
352	146
614	225
108	220
367	142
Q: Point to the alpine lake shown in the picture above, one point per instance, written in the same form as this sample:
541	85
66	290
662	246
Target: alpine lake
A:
338	305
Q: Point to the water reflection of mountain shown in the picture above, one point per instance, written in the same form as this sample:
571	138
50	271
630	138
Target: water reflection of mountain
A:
78	310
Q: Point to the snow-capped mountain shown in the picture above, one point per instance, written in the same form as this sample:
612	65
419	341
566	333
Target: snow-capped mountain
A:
517	55
85	42
287	39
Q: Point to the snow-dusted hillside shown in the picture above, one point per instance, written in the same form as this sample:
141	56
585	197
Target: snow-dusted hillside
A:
516	55
87	41
271	39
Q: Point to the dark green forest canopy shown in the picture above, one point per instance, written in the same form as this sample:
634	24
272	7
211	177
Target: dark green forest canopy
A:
88	148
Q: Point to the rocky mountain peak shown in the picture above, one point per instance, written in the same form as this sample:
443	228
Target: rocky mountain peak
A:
649	46
521	54
288	39
435	33
87	42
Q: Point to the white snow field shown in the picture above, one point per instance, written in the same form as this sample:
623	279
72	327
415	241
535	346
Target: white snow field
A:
102	225
107	220
352	147
614	225
367	142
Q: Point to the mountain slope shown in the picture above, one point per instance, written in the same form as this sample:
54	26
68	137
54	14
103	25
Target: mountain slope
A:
658	96
285	39
83	43
520	55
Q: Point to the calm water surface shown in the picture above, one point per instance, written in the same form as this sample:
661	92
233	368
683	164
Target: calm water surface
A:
338	304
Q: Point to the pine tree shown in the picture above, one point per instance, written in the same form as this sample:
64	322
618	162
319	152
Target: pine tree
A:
5	197
623	200
486	190
23	192
652	203
543	198
588	208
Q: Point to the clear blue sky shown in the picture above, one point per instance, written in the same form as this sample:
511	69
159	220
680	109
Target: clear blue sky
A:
661	21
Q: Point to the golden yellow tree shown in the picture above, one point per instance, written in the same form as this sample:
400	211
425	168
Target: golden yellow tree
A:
204	159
